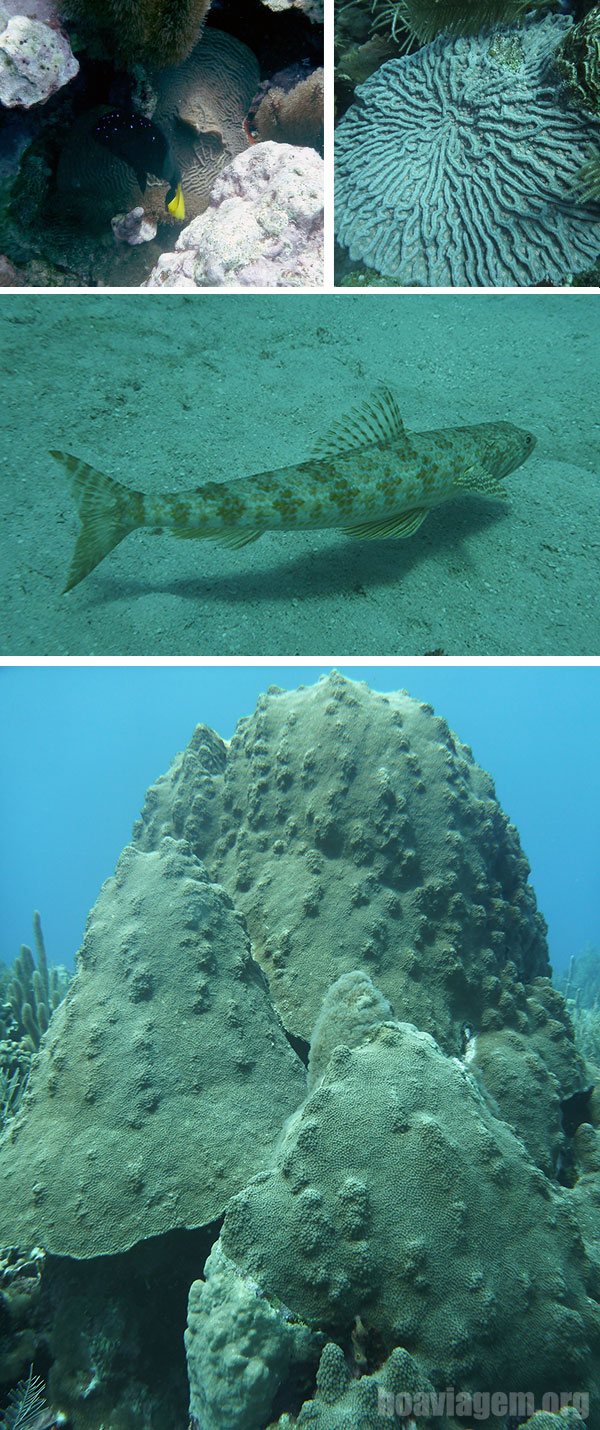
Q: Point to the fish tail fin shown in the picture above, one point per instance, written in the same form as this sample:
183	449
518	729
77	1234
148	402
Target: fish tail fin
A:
107	510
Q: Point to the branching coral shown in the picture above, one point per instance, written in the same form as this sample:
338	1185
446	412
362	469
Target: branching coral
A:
151	32
33	993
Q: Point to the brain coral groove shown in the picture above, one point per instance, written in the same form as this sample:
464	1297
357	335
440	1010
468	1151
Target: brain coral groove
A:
459	164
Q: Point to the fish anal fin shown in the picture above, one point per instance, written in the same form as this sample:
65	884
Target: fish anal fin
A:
233	539
476	479
376	423
236	539
399	525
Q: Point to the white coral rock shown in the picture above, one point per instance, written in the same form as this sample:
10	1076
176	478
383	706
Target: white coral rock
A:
312	8
35	61
263	228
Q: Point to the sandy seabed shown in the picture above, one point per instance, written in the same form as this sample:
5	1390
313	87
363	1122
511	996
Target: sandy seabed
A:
165	392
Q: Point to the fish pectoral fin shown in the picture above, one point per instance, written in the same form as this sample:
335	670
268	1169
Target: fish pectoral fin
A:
476	479
376	423
403	525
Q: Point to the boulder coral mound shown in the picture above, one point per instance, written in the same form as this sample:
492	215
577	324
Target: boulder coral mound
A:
353	828
35	61
148	1105
459	164
148	32
397	1196
263	1345
263	227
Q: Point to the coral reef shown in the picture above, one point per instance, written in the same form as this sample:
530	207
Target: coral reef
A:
342	1402
578	60
34	991
150	32
264	226
201	105
227	1308
21	1322
421	1210
427	18
581	988
350	826
477	1268
458	164
293	116
313	9
159	1050
35	61
352	1009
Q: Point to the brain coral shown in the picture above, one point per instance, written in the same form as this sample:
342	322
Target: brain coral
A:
459	164
147	1106
397	1196
354	829
201	104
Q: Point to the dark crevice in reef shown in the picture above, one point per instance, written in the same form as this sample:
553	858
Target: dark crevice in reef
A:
576	1109
300	1046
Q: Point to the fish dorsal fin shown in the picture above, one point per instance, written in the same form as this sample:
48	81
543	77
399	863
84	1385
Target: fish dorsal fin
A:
376	423
403	524
476	479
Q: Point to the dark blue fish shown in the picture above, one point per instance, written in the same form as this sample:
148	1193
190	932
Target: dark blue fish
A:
145	148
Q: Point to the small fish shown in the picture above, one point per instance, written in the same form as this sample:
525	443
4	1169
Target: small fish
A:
145	148
370	478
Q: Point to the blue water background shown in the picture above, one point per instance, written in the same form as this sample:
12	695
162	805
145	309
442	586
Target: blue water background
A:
79	747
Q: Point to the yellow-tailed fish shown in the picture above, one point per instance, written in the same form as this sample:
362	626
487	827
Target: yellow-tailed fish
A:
369	478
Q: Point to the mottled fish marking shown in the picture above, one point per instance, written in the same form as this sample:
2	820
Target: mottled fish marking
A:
370	478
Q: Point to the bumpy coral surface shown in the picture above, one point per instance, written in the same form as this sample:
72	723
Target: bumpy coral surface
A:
151	32
146	1107
398	1197
35	62
341	1402
263	1343
458	164
263	228
354	829
293	115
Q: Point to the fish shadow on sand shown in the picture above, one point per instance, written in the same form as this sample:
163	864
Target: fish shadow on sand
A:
342	568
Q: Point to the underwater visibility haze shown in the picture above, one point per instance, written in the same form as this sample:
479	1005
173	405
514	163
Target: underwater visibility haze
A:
422	476
310	1138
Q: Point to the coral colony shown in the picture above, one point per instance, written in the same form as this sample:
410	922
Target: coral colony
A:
309	1139
460	164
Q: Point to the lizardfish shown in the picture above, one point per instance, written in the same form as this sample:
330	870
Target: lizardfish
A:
370	478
